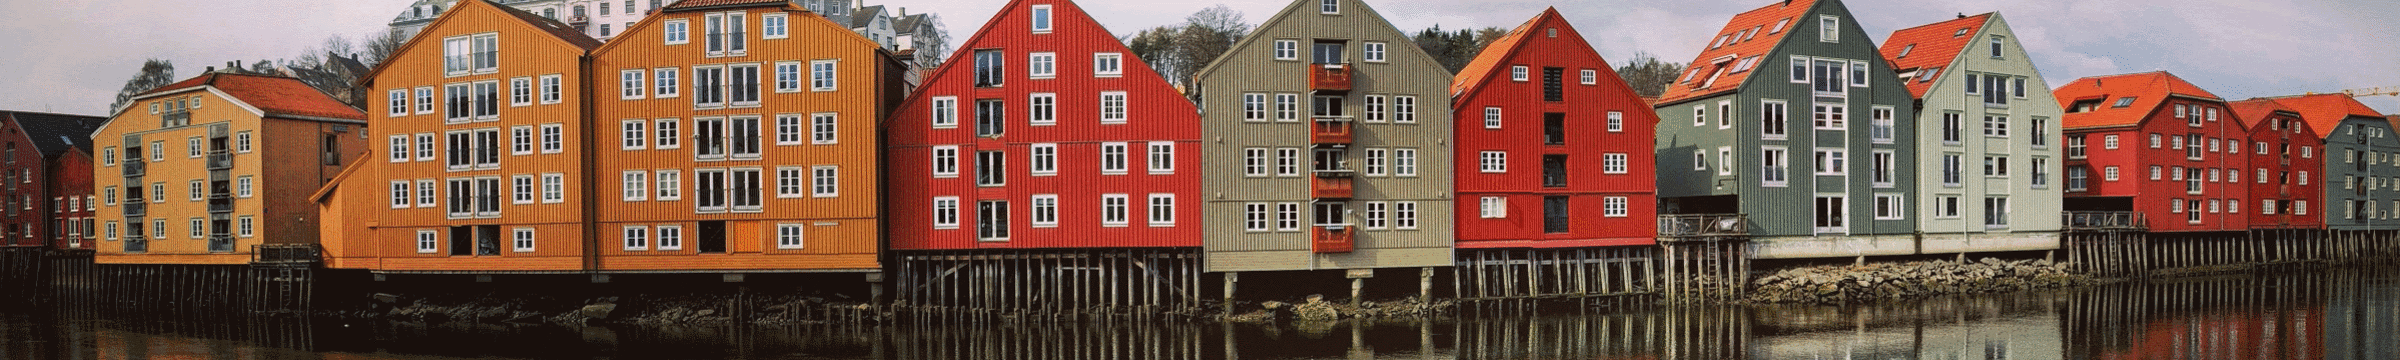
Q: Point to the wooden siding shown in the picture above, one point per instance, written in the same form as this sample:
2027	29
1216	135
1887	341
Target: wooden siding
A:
524	51
286	157
2032	208
2285	189
70	177
841	231
1788	210
1154	112
1250	67
2134	157
2355	134
1549	41
24	194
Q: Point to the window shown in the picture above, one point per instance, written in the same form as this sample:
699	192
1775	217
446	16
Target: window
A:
1287	107
400	194
630	84
428	241
824	181
637	185
552	141
1044	159
1888	207
1404	215
1953	169
945	212
787	77
1491	118
1995	126
1287	50
772	26
1592	77
1613	163
1108	64
990	118
1112	107
1518	73
1404	162
1699	115
1494	207
1254	217
1162	210
425	194
1287	162
1254	107
241	187
945	161
1832	116
1832	162
991	168
550	89
989	68
2075	148
1858	73
2108	173
1616	121
678	32
823	129
1832	215
1112	158
1995	212
1042	66
1800	69
1162	158
1884	162
2041	173
1041	19
398	102
1329	6
1044	108
1287	217
637	238
1724	160
1404	109
1494	162
636	134
1375	52
1774	162
554	188
476	53
1113	210
1725	114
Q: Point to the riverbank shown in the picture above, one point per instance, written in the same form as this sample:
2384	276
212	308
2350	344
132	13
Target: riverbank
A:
1909	280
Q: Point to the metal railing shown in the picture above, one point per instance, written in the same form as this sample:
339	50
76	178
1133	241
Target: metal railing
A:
220	160
134	168
2103	220
1703	225
1329	77
284	254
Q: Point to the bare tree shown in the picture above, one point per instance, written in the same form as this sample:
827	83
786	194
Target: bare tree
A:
1205	35
154	73
1648	75
379	46
937	43
1156	47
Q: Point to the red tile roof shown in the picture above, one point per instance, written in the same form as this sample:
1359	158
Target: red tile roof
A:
1755	33
275	95
1487	64
1931	46
2147	89
2251	112
691	4
2324	112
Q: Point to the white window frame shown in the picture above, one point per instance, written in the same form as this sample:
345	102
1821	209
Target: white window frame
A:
1161	210
772	26
1041	65
1492	207
1113	107
1114	210
791	236
1108	64
1045	210
1160	159
428	241
945	213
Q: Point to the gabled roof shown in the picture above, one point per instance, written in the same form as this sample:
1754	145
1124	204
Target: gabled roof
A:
557	30
1931	46
692	4
1755	33
549	25
2148	91
53	134
274	95
865	16
1297	8
1487	64
2254	111
908	24
2325	112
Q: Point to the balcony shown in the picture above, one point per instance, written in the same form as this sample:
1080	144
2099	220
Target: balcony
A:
220	244
1330	131
1332	184
220	160
578	20
135	207
1703	225
1329	77
1332	239
135	168
2103	221
220	204
284	254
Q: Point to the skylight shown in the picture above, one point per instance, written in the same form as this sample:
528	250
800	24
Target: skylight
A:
1929	74
2124	101
1961	32
1754	30
1904	51
1779	26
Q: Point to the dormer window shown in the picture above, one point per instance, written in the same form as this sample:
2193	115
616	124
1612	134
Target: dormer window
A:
1041	19
1330	7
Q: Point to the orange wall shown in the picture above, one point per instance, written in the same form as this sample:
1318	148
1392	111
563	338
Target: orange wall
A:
841	232
284	159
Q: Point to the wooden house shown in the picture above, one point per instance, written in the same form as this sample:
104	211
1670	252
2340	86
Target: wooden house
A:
2271	126
1550	153
1988	137
2361	176
2154	144
45	179
202	171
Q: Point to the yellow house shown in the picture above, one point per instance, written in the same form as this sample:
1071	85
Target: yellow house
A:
205	170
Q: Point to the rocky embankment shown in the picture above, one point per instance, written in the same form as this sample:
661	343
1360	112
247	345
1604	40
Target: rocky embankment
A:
643	310
1894	281
1315	309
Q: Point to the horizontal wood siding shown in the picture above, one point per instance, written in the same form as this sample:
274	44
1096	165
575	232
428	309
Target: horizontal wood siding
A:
1155	112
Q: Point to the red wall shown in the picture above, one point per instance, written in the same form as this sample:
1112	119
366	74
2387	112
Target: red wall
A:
2297	134
1522	137
24	164
71	177
2153	198
1155	112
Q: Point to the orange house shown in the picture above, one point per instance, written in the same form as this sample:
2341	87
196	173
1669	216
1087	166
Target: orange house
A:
203	171
739	136
478	163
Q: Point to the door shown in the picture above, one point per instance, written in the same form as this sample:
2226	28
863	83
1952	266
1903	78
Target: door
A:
712	237
1327	52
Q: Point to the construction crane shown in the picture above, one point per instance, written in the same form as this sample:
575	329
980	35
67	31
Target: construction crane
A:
2377	91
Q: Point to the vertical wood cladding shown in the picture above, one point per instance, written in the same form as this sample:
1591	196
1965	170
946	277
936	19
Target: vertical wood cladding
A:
1608	173
1145	115
641	135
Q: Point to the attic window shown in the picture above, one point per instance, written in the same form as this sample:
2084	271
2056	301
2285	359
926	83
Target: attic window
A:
1746	64
1779	26
1754	30
1330	7
1553	32
1904	51
1929	74
1962	32
2124	101
2083	106
1041	19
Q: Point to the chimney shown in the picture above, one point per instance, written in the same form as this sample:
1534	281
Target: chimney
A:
1962	15
211	69
903	11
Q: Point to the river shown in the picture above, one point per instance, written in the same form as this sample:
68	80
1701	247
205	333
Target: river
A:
2342	314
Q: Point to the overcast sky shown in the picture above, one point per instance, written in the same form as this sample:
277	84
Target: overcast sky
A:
72	56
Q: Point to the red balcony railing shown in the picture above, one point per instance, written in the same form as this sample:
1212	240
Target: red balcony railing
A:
1329	77
1331	184
1327	239
1330	131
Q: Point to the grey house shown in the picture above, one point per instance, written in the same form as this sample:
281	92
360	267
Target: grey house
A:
2362	161
1791	117
1988	139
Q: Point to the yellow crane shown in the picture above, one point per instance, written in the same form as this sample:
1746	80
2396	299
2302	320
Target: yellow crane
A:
2376	91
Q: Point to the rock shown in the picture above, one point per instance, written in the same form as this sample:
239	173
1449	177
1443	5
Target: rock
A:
387	298
1314	299
703	313
597	311
1273	305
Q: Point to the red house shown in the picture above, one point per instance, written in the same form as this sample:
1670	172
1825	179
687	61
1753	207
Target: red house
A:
1543	96
2155	144
46	179
1048	145
2283	185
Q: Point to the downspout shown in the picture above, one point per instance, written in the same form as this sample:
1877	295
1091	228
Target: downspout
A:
590	205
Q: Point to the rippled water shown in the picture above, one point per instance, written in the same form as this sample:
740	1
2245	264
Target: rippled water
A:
2332	315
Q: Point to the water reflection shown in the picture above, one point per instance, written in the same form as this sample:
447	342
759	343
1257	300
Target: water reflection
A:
2331	315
